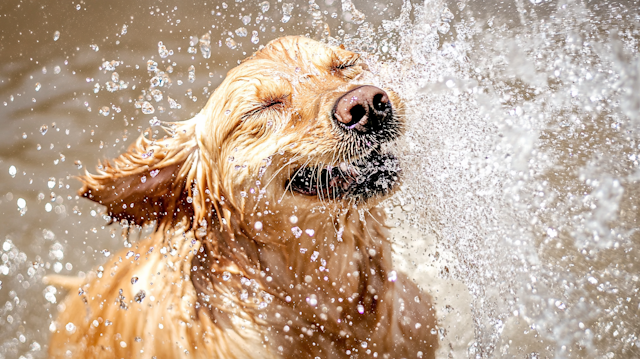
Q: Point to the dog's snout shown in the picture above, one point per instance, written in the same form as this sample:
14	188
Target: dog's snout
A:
363	109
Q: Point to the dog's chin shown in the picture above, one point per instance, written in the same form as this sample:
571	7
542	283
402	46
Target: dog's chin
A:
375	175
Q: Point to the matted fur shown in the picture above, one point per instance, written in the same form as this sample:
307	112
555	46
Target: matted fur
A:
240	265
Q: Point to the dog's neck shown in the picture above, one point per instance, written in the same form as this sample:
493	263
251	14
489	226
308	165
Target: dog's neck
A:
327	269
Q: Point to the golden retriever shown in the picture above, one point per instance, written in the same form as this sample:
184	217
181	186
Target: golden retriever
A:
268	243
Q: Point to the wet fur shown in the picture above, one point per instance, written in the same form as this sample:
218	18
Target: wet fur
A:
215	284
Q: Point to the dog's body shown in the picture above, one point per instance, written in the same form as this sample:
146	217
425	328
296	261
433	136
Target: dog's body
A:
267	241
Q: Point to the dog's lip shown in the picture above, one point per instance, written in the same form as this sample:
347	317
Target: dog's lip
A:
371	174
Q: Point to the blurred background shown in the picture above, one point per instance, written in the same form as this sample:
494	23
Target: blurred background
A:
519	211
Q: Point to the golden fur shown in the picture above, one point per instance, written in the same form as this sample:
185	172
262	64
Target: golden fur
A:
230	271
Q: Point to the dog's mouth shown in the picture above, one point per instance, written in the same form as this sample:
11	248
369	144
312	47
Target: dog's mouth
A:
373	175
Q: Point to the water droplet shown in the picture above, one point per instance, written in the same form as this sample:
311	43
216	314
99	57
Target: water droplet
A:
246	19
264	6
21	203
360	308
134	280
286	12
38	86
139	297
51	183
392	276
162	50
310	232
205	45
296	231
154	121
241	31
56	35
44	129
446	15
258	226
192	73
444	27
147	108
231	43
110	65
94	47
356	16
312	300
173	103
152	66
70	327
154	173
13	171
50	294
157	95
226	276
254	37
293	219
148	154
124	30
104	110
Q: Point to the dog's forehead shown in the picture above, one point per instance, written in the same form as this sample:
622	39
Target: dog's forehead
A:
303	52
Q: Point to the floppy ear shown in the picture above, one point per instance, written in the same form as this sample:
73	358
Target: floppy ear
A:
154	180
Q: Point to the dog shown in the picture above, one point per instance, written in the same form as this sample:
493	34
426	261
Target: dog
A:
267	242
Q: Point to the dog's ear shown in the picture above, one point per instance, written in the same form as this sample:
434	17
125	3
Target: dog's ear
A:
155	180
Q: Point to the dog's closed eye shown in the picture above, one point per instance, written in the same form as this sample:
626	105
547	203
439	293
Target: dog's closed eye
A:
344	65
348	68
274	103
268	104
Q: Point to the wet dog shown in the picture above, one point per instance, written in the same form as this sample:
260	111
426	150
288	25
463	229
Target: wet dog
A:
268	242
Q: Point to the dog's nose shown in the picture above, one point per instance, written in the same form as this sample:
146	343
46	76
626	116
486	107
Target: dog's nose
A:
363	109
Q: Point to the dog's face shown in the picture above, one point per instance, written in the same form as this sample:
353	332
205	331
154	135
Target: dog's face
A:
293	124
295	117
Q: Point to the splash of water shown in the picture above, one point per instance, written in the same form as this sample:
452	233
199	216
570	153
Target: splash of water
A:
522	157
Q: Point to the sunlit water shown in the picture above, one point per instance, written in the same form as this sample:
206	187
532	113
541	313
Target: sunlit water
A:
519	209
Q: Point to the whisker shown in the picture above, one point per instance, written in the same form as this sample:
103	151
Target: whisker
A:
288	187
295	158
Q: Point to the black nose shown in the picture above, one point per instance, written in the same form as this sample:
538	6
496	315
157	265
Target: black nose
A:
363	109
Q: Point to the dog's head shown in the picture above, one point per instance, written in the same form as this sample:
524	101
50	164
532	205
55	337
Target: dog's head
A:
291	125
